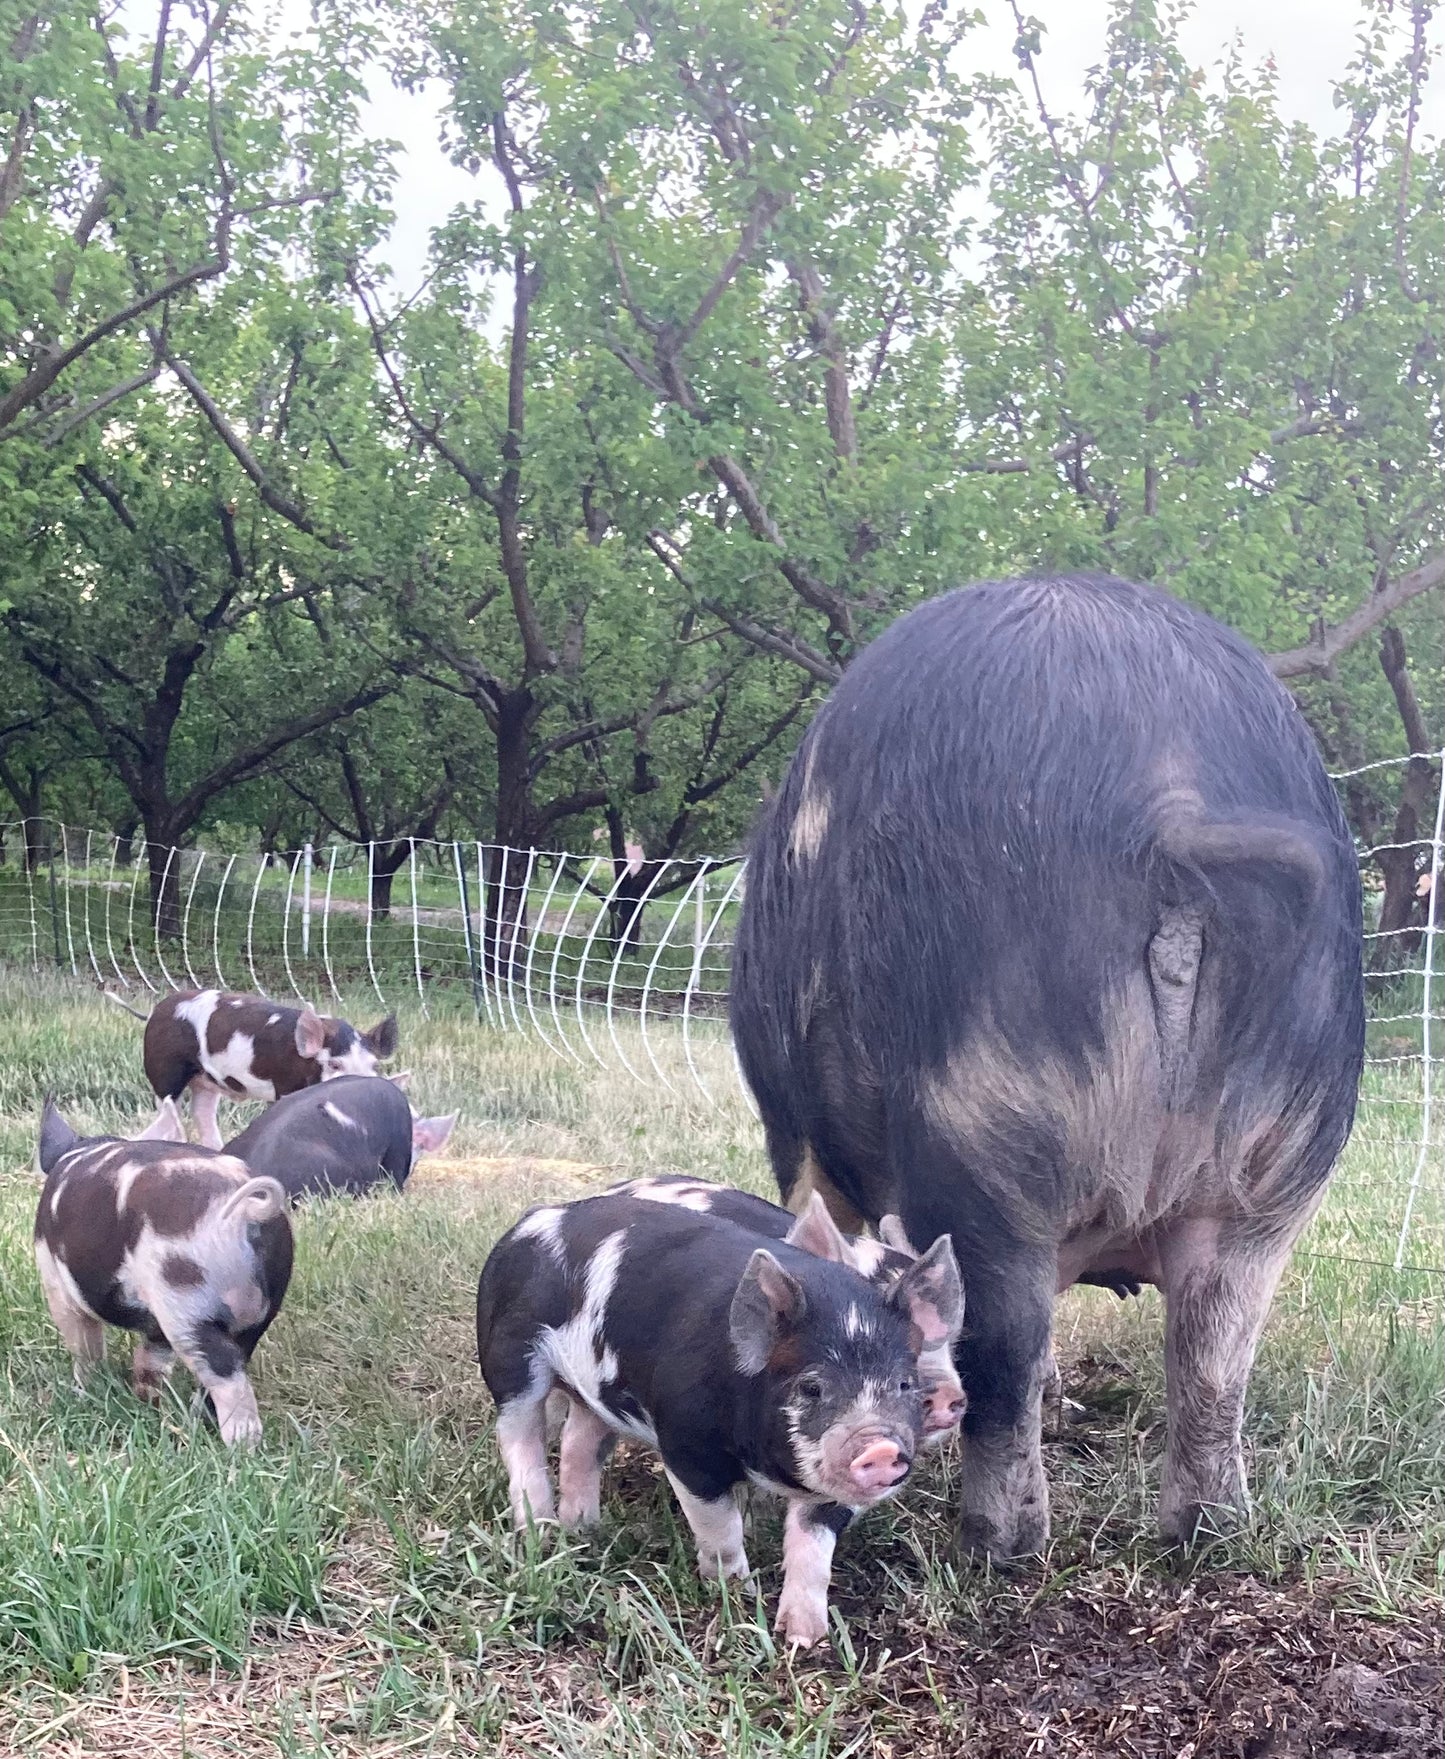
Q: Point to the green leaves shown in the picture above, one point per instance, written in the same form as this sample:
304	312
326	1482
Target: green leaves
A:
763	326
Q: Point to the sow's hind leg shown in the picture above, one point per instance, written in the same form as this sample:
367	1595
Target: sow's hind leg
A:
1218	1278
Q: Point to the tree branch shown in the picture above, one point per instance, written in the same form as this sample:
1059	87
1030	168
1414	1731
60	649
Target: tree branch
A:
274	498
39	380
116	394
784	646
244	763
837	393
1321	652
1394	664
430	432
763	210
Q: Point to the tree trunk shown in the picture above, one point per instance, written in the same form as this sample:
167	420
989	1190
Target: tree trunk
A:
504	928
387	861
381	879
36	841
26	790
627	909
165	889
1401	860
1399	863
504	920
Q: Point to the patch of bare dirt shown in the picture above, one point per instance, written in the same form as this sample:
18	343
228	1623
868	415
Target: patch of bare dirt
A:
1219	1668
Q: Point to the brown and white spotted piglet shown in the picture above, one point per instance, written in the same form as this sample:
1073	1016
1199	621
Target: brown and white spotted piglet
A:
240	1047
177	1243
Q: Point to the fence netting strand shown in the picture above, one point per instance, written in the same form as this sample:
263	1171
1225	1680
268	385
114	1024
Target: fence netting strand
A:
621	964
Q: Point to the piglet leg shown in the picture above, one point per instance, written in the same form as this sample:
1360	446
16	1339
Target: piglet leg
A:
717	1526
83	1333
219	1365
809	1534
149	1368
205	1104
522	1441
586	1443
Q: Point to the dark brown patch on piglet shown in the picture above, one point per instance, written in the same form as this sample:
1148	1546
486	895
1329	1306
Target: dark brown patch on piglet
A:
182	1272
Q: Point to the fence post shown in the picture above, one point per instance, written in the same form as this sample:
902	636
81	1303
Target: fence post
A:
30	897
1427	1003
697	928
416	928
467	928
370	894
307	858
54	902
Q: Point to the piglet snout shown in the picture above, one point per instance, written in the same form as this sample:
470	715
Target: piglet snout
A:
879	1466
943	1409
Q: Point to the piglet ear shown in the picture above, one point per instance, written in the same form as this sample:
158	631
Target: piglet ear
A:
430	1134
56	1137
930	1293
381	1041
310	1034
815	1231
401	1079
767	1304
165	1126
891	1233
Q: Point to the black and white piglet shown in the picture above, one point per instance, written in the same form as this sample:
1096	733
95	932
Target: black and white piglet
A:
224	1046
177	1243
881	1262
739	1363
349	1135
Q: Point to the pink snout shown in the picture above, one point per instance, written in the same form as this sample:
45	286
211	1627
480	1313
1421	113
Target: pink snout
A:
943	1408
880	1466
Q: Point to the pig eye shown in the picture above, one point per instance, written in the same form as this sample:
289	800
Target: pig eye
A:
908	1386
811	1387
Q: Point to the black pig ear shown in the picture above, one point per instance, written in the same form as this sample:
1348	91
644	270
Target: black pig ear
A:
381	1041
815	1231
930	1293
56	1136
767	1303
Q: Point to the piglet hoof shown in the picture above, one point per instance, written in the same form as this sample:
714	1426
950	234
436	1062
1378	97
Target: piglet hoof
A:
802	1619
723	1567
245	1432
536	1519
147	1388
577	1517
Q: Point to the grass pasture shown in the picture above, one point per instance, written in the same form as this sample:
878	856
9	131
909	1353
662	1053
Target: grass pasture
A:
352	1588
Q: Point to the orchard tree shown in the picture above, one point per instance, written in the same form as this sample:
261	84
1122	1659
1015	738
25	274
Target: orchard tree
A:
391	777
1207	351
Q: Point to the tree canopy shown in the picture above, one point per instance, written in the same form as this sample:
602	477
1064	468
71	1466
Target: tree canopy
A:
764	324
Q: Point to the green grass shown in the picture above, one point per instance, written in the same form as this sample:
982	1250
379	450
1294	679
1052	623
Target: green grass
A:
353	1587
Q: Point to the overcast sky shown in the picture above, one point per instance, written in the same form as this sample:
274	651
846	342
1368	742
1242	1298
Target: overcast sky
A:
1310	42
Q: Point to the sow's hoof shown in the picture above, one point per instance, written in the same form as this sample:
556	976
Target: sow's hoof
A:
1200	1523
1004	1537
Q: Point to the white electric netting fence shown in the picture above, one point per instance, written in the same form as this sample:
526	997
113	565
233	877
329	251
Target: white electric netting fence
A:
618	966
